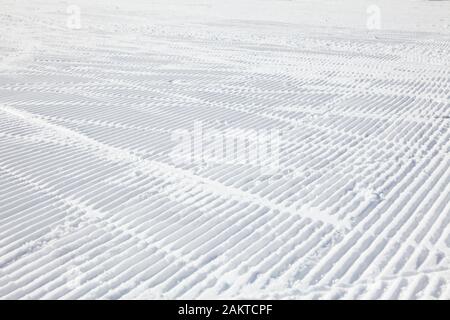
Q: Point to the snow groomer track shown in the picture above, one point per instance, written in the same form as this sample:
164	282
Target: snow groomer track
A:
93	207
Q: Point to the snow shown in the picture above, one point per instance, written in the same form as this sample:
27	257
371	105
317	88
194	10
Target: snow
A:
321	169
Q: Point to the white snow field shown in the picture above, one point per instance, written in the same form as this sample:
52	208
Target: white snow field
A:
93	204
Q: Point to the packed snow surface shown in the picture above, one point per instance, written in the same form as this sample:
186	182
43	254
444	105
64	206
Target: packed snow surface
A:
93	204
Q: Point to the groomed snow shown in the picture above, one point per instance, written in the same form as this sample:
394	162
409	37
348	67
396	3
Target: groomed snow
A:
93	205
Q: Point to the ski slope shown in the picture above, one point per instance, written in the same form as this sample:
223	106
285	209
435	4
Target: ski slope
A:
92	206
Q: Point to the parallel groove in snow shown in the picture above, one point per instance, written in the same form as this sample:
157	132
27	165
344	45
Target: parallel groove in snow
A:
92	206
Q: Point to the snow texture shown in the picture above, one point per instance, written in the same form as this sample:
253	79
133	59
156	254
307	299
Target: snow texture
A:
99	200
